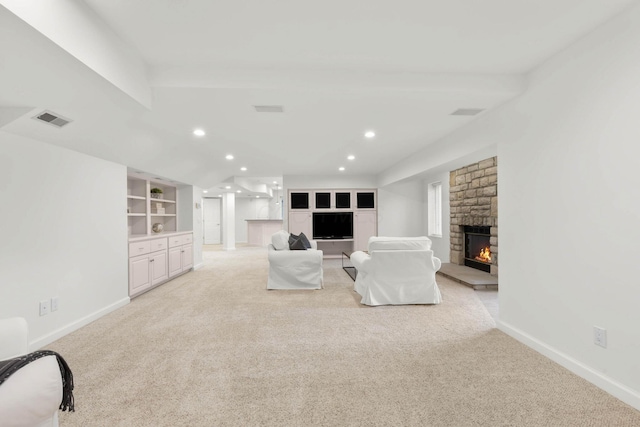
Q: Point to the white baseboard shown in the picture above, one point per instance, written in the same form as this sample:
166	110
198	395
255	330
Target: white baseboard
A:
75	325
627	395
198	266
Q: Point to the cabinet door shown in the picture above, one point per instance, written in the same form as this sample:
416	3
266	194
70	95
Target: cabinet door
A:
300	222
159	267
322	200
343	200
365	200
365	225
175	261
139	274
187	257
299	200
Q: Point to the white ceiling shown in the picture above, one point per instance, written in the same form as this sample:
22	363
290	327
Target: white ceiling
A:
337	67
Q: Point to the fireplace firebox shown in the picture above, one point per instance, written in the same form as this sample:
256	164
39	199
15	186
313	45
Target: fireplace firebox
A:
477	252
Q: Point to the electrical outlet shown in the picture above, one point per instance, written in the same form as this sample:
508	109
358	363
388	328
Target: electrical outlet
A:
44	307
600	336
54	304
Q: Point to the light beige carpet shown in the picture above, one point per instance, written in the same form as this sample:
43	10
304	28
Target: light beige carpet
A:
214	348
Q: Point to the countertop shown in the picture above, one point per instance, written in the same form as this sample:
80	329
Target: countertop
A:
139	237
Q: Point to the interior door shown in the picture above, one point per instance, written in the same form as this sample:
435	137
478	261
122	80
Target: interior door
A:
211	218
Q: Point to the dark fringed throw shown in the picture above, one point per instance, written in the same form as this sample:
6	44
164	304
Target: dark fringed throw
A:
8	367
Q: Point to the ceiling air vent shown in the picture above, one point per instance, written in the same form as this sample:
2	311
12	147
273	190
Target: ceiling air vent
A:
269	108
52	119
467	111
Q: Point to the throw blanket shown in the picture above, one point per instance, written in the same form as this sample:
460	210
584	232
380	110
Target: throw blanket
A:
8	367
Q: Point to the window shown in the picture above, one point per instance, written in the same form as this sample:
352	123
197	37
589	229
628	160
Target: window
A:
434	200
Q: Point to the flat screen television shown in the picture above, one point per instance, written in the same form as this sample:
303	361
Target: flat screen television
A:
332	225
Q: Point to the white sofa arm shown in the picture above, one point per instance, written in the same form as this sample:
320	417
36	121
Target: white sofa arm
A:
361	261
437	263
314	244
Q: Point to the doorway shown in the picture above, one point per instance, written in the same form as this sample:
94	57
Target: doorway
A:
211	221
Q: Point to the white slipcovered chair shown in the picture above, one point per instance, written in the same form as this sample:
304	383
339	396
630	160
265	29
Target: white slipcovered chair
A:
31	396
293	269
397	270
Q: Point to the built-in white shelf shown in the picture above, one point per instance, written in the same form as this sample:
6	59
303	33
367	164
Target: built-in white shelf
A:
137	214
136	197
153	214
161	200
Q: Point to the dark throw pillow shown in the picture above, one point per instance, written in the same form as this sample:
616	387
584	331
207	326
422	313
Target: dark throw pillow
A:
296	243
305	241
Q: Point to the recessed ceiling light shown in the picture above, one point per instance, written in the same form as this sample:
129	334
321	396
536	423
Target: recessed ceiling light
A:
243	169
229	157
257	197
219	195
369	134
199	132
239	191
204	191
341	168
351	157
275	182
228	187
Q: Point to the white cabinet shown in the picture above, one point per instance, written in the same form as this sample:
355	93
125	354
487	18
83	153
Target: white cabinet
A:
307	204
155	260
146	271
365	225
175	261
158	263
139	274
180	254
301	222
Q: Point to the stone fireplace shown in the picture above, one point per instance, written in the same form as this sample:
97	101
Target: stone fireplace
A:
473	199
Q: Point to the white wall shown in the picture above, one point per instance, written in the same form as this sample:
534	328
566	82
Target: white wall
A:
440	245
64	226
400	210
327	181
569	206
249	208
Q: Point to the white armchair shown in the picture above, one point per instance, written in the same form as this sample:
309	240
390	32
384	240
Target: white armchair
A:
32	395
397	270
293	269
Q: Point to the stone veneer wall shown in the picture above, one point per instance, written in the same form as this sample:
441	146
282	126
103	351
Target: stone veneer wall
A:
473	199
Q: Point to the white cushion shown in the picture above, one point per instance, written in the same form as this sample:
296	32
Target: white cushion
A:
421	243
31	396
280	240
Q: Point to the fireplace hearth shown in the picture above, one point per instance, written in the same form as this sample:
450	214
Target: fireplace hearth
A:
477	247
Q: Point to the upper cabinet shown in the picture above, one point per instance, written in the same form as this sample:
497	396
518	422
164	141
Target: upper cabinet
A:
343	200
151	207
323	199
366	200
299	200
